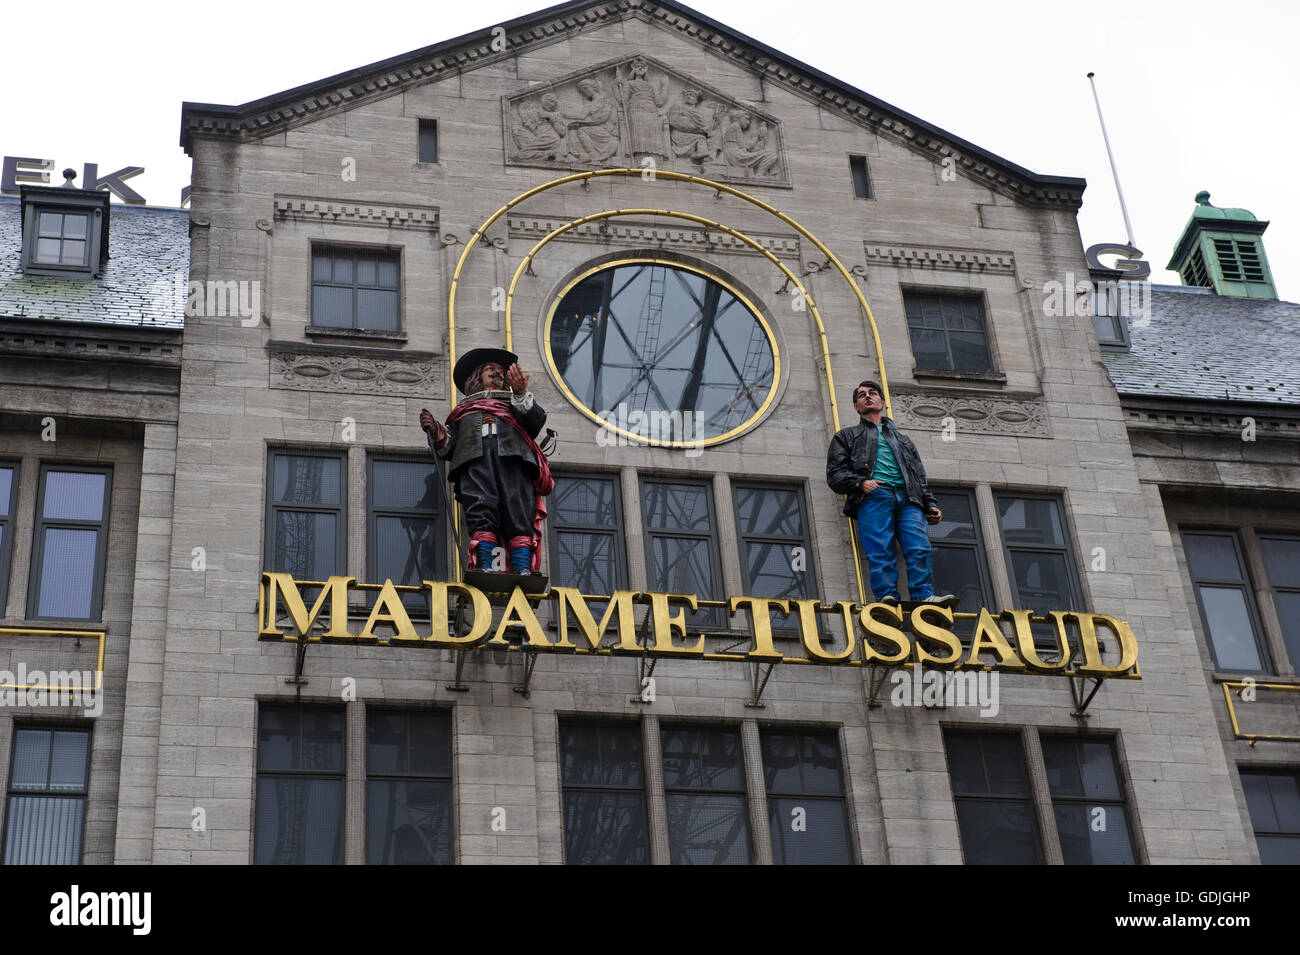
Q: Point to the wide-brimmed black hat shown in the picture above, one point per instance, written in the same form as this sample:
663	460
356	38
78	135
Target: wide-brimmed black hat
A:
476	358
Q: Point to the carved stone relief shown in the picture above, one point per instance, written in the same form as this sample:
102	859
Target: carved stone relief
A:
631	111
994	414
319	371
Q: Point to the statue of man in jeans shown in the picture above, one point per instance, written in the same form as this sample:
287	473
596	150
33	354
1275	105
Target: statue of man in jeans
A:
888	495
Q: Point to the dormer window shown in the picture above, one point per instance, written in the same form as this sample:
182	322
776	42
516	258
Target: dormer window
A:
65	231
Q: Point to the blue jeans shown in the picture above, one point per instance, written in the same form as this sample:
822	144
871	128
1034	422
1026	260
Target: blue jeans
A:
884	516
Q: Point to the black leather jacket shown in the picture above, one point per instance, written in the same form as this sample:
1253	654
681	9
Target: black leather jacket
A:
465	439
852	458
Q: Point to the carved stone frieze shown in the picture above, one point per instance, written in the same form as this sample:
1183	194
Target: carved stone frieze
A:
638	112
350	373
657	235
356	212
938	257
980	414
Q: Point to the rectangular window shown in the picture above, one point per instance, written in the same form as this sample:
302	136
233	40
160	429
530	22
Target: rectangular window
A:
957	556
805	797
1091	817
861	181
8	501
299	817
1282	564
305	519
355	288
704	777
1226	601
70	544
408	787
1039	557
1110	303
45	818
948	332
776	555
405	540
428	149
1274	802
585	531
64	231
990	786
604	794
681	542
62	238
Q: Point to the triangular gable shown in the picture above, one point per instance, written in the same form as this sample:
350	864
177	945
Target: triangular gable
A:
303	104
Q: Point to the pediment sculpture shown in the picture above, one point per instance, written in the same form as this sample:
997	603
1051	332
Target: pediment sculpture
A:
626	112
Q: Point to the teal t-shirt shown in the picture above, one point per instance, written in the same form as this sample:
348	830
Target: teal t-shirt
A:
887	471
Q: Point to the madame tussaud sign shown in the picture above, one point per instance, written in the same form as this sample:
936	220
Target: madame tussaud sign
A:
875	634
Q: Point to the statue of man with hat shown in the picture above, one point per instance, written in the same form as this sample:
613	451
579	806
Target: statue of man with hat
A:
501	475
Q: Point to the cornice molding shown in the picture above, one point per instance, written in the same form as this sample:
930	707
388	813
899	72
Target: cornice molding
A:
356	212
294	107
638	233
939	257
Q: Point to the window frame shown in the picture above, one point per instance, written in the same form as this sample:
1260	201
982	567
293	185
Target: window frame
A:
410	776
1246	587
1121	785
373	514
771	794
1274	590
651	534
742	792
786	627
859	160
341	774
1266	772
979	546
7	521
424	124
94	205
1031	803
1068	550
617	531
563	722
83	795
977	296
341	509
333	248
39	525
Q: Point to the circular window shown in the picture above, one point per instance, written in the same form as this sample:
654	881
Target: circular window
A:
662	353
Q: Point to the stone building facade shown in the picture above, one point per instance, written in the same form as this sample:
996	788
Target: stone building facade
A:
764	202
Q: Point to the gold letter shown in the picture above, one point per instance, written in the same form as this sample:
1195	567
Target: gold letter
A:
336	589
664	625
760	615
620	605
388	608
924	629
519	613
989	637
879	628
479	623
812	637
1025	640
1092	662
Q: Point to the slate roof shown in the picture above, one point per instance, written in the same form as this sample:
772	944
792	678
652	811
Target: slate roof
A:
1212	348
149	251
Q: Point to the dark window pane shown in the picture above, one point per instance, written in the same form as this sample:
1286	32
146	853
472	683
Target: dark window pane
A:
601	755
808	831
682	566
299	821
966	764
428	145
407	552
331	307
366	273
1228	622
1279	850
408	822
404	484
47	250
305	544
377	310
1030	521
1212	557
772	512
958	521
1288	611
1285	790
781	762
344	272
51	224
306	480
68	764
676	507
605	828
768	570
67	573
31	765
947	332
43	830
74	252
708	829
997	832
322	740
1094	835
585	561
858	171
1281	558
387	273
1042	580
702	759
320	267
6	490
73	496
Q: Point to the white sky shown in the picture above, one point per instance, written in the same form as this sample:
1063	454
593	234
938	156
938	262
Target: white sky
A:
1193	100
